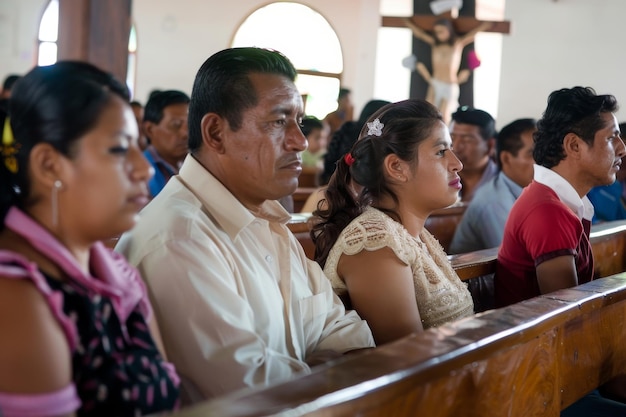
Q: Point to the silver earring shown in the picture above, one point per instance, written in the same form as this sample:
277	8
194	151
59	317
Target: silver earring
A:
55	202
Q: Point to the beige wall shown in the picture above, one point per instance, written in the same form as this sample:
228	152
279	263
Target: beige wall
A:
174	41
558	44
19	24
553	44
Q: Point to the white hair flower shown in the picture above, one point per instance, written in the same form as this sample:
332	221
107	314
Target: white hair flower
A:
375	128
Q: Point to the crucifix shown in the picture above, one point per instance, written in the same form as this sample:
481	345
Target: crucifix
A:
449	64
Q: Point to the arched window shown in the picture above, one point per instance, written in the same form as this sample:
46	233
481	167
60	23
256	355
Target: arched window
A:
49	32
131	72
308	40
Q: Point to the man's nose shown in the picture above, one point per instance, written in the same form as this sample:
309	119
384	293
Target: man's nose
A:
295	139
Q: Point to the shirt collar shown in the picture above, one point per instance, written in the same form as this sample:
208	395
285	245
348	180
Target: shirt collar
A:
158	160
582	207
221	204
112	276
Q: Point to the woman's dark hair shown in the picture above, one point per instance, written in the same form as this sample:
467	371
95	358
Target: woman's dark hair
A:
510	137
406	124
570	110
343	139
54	104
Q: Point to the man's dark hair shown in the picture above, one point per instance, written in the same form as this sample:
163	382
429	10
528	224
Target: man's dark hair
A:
486	124
510	137
575	110
310	123
343	92
222	86
153	112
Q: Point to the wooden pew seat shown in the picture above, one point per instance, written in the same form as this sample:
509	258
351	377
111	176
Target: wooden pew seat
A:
533	358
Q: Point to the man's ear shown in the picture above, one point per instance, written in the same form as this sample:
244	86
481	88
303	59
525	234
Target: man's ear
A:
505	157
46	164
213	128
147	128
491	147
572	145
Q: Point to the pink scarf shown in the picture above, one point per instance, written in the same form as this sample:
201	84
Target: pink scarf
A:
113	276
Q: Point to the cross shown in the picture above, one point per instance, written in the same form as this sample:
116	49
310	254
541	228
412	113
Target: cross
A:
443	94
461	24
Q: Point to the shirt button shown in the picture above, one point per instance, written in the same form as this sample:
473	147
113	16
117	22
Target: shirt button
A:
268	258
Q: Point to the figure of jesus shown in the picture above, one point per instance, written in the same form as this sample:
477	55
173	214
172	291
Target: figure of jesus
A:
447	49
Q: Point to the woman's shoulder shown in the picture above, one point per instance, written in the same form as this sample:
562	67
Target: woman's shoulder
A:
37	341
372	230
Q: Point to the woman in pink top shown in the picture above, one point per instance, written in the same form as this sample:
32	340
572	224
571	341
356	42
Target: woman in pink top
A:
77	333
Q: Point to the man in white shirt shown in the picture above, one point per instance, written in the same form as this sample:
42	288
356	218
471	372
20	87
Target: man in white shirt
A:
238	302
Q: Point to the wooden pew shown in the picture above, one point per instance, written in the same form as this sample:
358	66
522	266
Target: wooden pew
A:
300	196
299	226
442	223
608	242
533	358
309	178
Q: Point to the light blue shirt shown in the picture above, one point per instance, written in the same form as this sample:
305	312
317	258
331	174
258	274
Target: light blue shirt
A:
482	225
162	171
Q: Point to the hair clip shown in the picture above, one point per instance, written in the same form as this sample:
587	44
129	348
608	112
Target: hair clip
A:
348	159
9	148
375	128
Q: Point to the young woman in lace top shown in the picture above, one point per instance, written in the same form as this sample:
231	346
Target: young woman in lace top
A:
77	332
370	237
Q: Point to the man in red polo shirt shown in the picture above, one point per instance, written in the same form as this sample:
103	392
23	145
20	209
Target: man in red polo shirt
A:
546	238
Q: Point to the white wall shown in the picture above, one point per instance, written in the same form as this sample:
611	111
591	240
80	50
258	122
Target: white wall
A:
19	24
553	44
174	41
556	44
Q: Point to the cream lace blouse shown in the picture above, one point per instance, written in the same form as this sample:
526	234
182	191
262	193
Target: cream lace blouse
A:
441	296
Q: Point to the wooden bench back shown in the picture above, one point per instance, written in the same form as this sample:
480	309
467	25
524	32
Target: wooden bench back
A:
608	242
309	178
442	223
532	358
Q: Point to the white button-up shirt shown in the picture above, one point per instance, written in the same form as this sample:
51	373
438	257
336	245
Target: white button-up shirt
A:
238	302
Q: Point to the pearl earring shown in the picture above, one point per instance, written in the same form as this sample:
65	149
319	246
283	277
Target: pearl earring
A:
55	202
